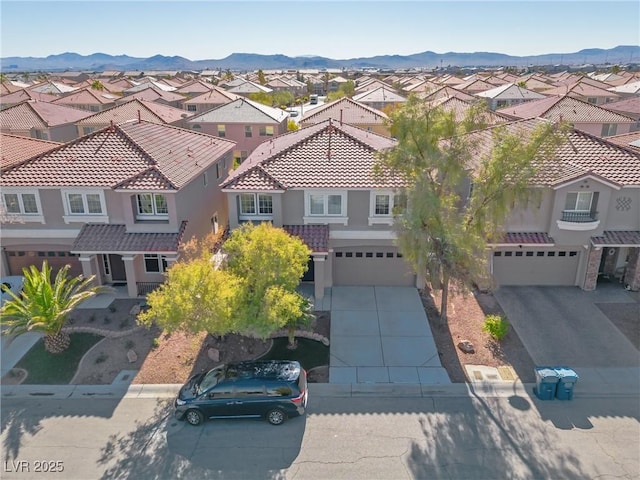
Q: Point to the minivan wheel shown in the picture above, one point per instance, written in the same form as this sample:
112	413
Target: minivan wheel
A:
194	417
276	416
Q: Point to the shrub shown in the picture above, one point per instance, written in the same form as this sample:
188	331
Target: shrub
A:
496	326
155	344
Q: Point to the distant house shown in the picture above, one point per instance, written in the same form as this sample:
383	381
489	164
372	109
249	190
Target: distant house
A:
446	92
586	92
132	110
153	94
42	120
507	95
346	110
246	122
582	115
22	95
88	99
53	88
629	107
246	88
116	204
209	100
380	97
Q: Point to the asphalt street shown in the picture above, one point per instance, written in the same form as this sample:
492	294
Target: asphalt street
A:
441	436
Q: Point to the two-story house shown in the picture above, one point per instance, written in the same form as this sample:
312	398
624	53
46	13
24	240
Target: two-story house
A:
116	203
319	183
507	95
88	99
209	100
246	122
582	115
42	120
349	111
582	223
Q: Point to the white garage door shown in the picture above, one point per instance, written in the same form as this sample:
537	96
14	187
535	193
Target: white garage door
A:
535	267
371	266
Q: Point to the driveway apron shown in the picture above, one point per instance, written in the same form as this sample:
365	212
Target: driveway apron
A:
382	335
562	326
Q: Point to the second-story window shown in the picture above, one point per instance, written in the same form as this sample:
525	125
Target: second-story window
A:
389	204
21	203
266	131
255	204
84	204
222	131
152	205
608	129
192	108
248	132
578	201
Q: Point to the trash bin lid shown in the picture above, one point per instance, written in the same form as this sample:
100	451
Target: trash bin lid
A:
546	372
566	373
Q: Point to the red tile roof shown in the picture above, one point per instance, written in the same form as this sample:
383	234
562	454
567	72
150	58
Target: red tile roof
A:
42	115
325	155
141	155
316	237
105	238
16	149
582	154
148	111
567	108
617	238
345	110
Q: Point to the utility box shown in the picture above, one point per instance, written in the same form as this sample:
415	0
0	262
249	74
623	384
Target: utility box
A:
546	383
567	378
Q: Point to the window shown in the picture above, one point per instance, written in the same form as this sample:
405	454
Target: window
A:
21	203
192	108
386	204
248	204
609	129
578	201
84	203
217	170
87	130
152	205
383	205
154	263
248	131
320	204
197	127
41	135
592	100
266	131
205	179
222	131
501	104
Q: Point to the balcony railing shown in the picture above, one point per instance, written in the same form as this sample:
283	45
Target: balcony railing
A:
579	217
147	287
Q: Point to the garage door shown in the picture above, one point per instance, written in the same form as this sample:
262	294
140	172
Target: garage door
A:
371	266
542	267
20	259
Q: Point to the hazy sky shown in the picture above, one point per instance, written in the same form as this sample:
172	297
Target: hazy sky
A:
207	29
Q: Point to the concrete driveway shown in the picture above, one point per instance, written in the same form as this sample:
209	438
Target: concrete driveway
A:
562	326
382	335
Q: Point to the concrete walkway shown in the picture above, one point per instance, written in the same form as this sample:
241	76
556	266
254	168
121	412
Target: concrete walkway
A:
381	335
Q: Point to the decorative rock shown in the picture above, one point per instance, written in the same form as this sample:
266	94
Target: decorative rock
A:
213	354
466	346
132	356
135	310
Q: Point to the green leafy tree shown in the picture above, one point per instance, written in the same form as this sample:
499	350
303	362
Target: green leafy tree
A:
270	263
347	89
253	294
444	233
227	75
282	97
261	78
44	306
292	126
97	85
261	97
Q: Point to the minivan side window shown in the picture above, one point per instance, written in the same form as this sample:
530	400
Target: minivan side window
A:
250	391
223	391
279	391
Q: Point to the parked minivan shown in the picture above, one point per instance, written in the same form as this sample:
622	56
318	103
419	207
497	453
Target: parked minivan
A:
272	389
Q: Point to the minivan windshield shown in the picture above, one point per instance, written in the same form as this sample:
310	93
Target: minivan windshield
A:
211	379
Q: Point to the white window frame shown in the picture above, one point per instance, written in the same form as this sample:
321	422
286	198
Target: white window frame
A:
266	131
578	194
256	215
325	217
85	216
22	217
382	218
155	215
162	262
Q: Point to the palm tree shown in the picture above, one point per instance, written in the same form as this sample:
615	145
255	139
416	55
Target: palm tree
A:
44	306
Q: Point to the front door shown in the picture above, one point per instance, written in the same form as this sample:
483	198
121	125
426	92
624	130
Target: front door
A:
118	272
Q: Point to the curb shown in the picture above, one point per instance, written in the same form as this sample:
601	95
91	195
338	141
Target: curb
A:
321	390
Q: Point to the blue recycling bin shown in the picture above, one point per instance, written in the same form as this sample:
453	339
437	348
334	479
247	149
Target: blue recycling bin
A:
567	378
546	383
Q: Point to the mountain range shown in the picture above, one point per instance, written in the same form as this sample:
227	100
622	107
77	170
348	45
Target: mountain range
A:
98	62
